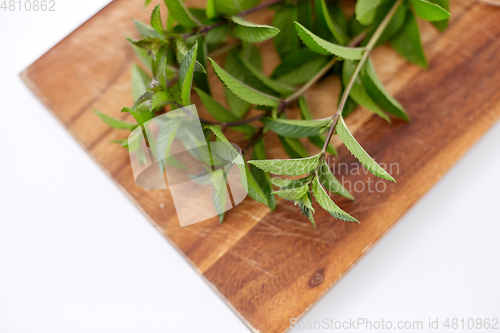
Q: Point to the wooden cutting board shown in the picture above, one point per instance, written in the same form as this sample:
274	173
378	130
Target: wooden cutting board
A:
273	266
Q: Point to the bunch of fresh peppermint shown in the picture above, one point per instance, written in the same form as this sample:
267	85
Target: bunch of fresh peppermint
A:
312	39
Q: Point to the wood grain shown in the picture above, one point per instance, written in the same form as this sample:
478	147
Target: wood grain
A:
270	267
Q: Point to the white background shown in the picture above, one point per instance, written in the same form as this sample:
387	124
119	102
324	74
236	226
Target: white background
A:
77	256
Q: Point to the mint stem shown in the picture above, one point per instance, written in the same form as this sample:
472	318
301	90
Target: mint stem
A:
345	95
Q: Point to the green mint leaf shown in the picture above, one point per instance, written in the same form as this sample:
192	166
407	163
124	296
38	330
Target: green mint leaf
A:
299	67
286	41
353	146
445	4
156	22
140	82
395	24
226	151
331	183
242	90
262	178
305	13
251	32
186	72
147	31
366	9
115	123
306	208
290	167
358	92
377	92
141	116
233	7
182	50
210	10
277	86
201	78
221	113
294	192
217	34
142	55
168	131
182	15
285	184
321	46
160	99
407	42
254	190
146	98
324	15
296	128
219	193
293	147
429	11
327	203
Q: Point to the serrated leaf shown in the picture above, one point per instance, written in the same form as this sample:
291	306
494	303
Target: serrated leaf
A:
242	90
166	136
254	190
186	72
156	22
289	167
331	183
321	46
377	92
182	51
286	41
306	208
141	116
366	9
296	128
200	79
219	192
445	4
140	82
227	152
327	203
318	140
293	193
221	113
115	123
353	146
332	25
160	99
182	15
277	86
262	178
407	42
358	92
146	31
284	184
429	11
251	32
